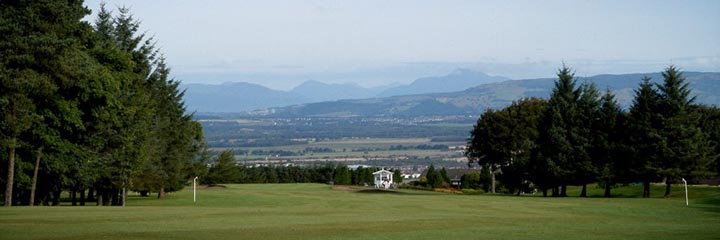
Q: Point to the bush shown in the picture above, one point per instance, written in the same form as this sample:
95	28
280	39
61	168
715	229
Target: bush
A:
447	190
472	192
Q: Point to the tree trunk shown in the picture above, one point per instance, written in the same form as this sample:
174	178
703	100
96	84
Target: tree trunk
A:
544	190
99	198
492	181
115	197
73	197
35	176
91	195
107	200
124	196
607	191
667	189
646	189
563	190
161	193
10	174
143	193
555	191
583	193
56	198
82	197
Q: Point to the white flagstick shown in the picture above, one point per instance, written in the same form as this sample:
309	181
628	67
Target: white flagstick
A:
195	189
686	193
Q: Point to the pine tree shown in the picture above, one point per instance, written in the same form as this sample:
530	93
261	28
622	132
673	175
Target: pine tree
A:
445	179
432	176
584	136
82	100
342	175
684	149
41	68
224	169
554	160
643	141
606	151
710	125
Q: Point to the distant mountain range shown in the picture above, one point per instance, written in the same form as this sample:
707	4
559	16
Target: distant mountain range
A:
319	91
458	80
236	97
241	97
704	85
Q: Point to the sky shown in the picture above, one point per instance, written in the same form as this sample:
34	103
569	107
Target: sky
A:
280	44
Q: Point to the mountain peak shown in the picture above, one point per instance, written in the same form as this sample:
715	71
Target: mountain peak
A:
467	72
309	84
320	91
474	101
457	80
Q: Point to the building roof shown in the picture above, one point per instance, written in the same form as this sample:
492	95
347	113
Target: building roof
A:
382	171
355	166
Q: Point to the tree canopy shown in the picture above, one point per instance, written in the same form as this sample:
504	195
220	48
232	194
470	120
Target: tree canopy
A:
580	136
93	104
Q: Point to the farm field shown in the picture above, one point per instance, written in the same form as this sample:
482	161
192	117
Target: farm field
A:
315	211
353	150
349	144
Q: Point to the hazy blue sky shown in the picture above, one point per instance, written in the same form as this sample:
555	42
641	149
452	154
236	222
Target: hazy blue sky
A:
282	43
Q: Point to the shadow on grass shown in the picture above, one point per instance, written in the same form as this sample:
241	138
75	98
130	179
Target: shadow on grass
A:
711	204
397	192
379	191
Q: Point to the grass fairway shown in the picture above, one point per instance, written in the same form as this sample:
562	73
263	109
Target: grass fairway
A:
314	211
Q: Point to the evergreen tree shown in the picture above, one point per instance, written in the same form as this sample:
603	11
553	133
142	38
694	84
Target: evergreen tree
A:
643	138
433	177
606	151
224	170
553	163
342	175
685	151
710	125
397	176
445	179
83	101
41	72
585	132
271	175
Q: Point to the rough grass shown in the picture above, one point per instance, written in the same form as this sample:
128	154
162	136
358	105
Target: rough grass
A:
314	211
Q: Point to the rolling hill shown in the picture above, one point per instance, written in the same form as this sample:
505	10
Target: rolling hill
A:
458	80
241	96
319	91
472	101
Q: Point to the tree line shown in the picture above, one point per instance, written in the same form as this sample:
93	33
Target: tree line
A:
88	108
226	170
580	136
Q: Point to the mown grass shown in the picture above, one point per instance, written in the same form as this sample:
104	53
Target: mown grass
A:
314	211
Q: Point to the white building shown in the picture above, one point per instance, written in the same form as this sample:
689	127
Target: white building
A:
383	178
410	175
